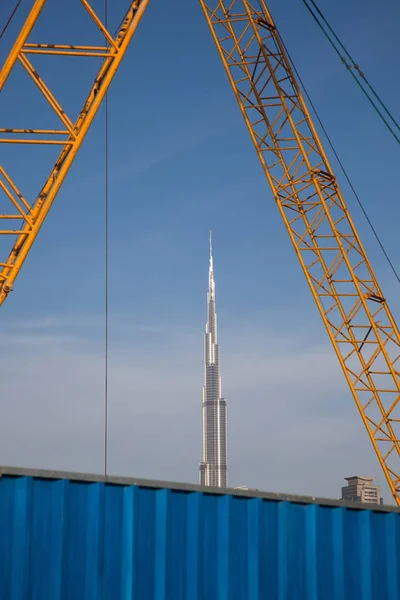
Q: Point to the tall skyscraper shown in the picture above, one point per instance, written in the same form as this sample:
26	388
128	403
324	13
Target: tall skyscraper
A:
213	469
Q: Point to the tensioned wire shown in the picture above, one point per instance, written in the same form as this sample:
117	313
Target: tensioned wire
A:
336	154
10	18
106	241
339	47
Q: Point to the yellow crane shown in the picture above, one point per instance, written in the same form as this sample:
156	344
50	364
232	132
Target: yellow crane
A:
31	215
353	308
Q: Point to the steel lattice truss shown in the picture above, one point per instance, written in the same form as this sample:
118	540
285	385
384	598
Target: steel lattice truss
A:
351	303
362	330
31	214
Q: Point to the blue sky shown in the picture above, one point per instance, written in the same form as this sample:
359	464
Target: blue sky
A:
181	161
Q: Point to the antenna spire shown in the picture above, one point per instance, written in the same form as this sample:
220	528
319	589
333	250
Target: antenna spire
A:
211	255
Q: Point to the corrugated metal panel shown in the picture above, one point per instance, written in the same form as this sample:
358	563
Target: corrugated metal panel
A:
63	539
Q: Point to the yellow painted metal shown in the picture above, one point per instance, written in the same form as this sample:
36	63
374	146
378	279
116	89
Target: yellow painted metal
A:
20	41
34	213
355	312
353	308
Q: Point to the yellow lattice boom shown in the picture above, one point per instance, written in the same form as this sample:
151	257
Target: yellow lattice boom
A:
351	303
69	137
353	308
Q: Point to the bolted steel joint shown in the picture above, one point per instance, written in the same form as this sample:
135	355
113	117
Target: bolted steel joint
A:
7	287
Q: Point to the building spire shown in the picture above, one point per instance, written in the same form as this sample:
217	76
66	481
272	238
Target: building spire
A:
213	468
211	283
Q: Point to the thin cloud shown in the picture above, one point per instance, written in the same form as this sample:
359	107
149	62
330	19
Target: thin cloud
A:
292	423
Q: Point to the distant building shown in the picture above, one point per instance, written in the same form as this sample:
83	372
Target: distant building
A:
361	489
213	468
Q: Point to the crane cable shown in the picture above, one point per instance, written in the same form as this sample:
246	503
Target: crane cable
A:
340	163
355	70
10	18
344	171
106	291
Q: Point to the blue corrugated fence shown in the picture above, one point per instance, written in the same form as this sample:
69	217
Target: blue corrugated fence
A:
64	539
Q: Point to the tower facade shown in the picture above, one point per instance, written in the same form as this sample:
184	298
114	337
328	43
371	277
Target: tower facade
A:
213	468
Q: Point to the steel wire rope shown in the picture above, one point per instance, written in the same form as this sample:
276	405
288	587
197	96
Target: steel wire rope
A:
106	233
10	18
340	163
356	67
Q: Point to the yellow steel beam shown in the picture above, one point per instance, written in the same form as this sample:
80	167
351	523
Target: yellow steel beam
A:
34	213
353	308
20	41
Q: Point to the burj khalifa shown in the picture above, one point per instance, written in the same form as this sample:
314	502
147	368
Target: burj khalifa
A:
213	469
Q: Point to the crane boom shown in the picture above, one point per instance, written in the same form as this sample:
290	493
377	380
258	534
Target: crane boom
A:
31	215
353	308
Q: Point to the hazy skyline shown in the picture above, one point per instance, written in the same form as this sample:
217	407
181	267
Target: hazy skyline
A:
180	152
